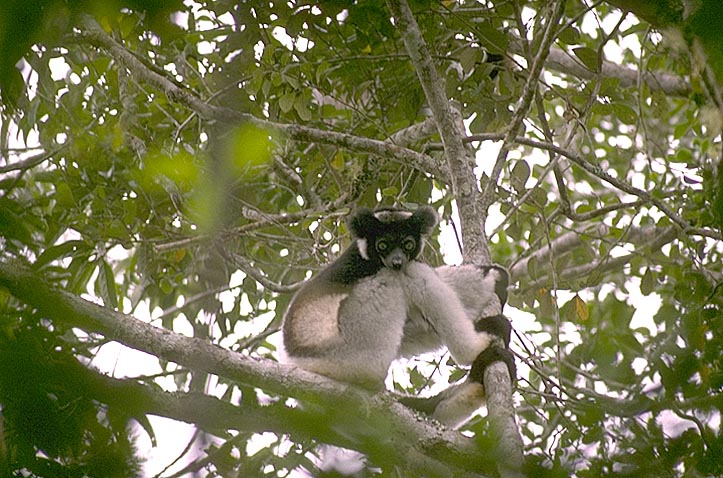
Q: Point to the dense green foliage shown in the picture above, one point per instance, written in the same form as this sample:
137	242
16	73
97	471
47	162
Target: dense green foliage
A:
133	173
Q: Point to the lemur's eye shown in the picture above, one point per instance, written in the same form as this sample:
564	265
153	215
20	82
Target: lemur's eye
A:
382	245
409	244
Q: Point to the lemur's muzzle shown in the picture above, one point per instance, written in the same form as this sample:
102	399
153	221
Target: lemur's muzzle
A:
395	260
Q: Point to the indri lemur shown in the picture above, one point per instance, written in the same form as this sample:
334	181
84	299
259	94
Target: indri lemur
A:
376	303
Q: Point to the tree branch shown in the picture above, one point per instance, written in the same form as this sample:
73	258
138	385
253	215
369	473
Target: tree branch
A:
644	239
557	247
598	172
263	220
407	136
217	416
448	452
459	159
561	61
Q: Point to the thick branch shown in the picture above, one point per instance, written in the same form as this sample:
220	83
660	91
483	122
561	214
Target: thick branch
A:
217	416
28	163
563	62
208	413
459	159
416	437
414	133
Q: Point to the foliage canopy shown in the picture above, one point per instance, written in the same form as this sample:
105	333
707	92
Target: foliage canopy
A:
191	163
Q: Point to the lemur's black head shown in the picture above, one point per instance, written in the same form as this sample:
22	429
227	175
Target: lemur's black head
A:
392	237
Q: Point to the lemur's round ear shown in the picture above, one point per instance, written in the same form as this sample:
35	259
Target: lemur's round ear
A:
427	219
362	222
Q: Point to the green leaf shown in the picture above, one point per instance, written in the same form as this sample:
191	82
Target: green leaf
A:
680	130
457	375
107	286
286	102
625	113
61	250
588	57
685	156
417	378
491	38
80	270
519	175
391	191
165	285
647	282
582	312
302	108
64	195
468	58
569	35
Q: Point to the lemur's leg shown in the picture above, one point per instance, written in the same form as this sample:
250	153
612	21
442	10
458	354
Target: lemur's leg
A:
483	292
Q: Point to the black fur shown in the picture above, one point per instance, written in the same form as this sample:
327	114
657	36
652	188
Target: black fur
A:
426	405
502	285
497	325
394	226
349	268
493	353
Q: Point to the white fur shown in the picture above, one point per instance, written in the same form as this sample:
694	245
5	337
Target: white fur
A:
391	314
474	289
362	245
386	215
369	324
439	305
355	332
314	319
458	403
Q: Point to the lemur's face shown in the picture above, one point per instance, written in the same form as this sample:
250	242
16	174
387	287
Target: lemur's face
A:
392	238
396	250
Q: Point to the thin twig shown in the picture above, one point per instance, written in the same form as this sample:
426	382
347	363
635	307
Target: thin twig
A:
525	101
